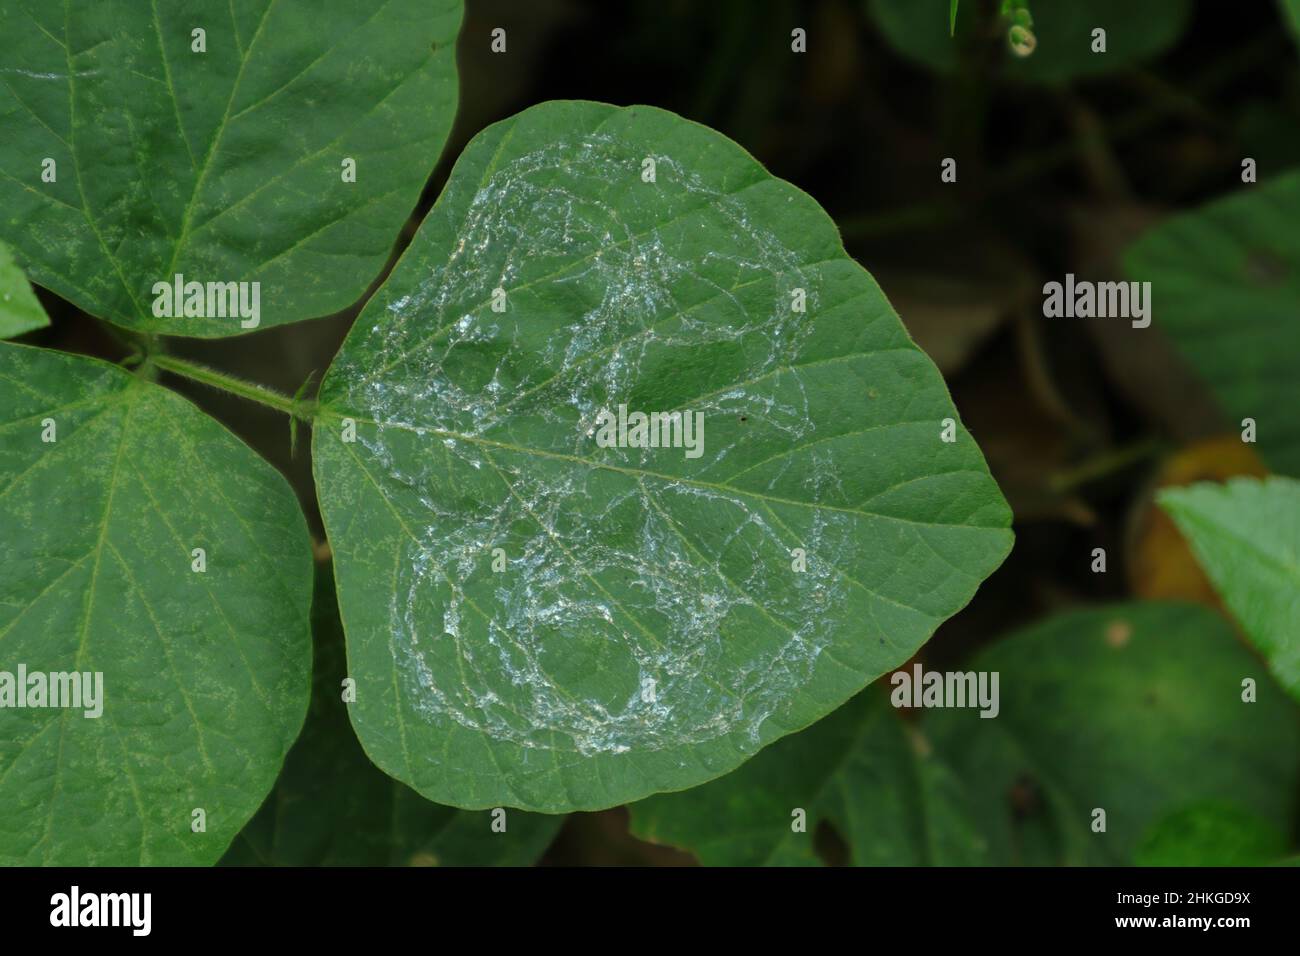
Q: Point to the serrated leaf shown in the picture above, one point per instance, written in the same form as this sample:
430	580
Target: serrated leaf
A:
861	770
1134	709
1063	28
229	165
205	674
1225	281
648	631
1246	535
332	807
19	309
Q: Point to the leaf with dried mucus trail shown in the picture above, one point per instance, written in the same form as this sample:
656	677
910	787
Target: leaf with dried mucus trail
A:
1246	535
228	165
875	780
109	486
1225	280
536	618
20	311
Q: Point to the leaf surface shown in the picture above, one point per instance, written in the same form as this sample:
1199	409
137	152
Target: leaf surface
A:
1291	14
1225	282
20	311
1246	535
228	166
647	629
919	30
205	674
861	770
1212	834
1134	709
332	807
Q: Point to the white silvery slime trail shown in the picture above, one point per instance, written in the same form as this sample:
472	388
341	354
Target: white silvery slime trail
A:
552	624
696	695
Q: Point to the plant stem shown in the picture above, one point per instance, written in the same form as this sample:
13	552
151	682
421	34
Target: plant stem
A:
292	406
1105	464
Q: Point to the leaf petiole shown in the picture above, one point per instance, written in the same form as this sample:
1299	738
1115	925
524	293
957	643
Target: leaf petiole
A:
294	406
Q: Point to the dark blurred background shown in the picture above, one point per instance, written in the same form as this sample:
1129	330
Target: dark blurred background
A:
1079	422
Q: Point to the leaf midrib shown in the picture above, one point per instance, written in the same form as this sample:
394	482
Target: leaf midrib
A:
645	473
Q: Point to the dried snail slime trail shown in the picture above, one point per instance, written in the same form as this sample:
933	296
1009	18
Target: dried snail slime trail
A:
631	568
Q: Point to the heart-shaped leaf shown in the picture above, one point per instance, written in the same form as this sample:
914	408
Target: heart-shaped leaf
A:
1246	534
1226	285
140	541
1136	710
232	165
542	615
19	309
875	781
332	807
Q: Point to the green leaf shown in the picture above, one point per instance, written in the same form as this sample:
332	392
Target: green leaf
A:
1135	709
1135	32
872	778
331	807
952	16
1291	13
228	166
530	686
1211	834
19	309
205	675
1246	535
1226	282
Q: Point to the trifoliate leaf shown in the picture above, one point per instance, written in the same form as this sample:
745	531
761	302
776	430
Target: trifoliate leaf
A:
542	613
146	549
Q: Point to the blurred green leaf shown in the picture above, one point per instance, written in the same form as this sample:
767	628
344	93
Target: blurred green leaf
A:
1225	283
862	770
1291	13
1246	535
1134	32
20	311
1135	709
1211	834
333	807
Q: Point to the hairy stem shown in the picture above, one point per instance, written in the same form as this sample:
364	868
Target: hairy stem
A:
293	406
